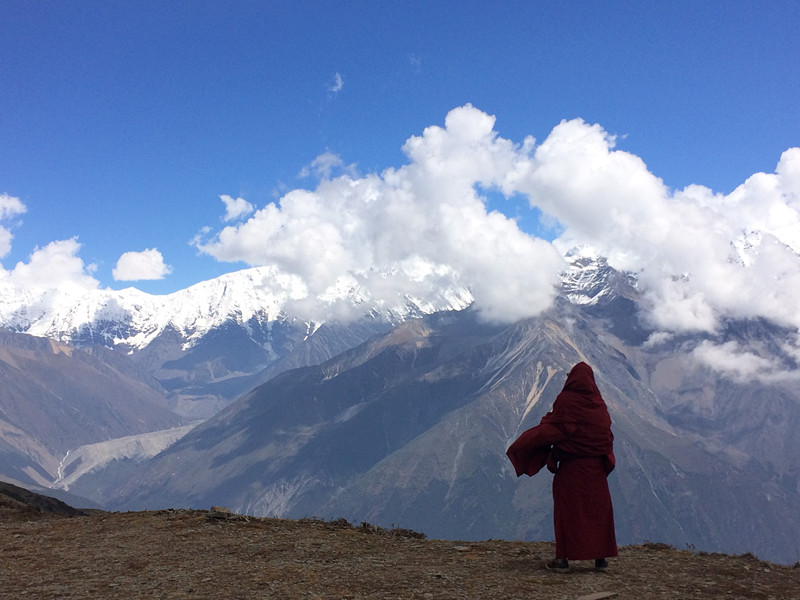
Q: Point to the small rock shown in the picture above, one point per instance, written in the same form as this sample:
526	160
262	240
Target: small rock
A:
598	596
220	513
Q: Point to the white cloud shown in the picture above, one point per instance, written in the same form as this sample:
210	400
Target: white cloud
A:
742	364
55	266
682	244
235	208
425	213
325	164
10	206
136	266
699	256
337	85
5	241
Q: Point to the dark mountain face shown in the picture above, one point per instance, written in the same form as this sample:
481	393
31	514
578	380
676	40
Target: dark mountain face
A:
230	360
411	429
209	343
54	398
18	503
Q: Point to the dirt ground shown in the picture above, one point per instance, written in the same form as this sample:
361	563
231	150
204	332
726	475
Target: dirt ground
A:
200	554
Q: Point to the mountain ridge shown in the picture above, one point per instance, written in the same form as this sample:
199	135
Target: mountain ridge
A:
207	344
55	398
132	319
407	422
411	427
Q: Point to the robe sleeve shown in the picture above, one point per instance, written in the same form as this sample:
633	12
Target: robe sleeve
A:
609	462
529	452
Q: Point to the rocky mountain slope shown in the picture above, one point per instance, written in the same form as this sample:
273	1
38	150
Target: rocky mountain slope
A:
85	372
408	423
21	504
411	428
55	398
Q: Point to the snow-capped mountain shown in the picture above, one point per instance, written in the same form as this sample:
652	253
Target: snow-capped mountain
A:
210	342
411	428
588	278
133	319
409	423
198	349
130	319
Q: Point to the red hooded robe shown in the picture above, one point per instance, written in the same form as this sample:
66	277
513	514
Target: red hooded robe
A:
575	441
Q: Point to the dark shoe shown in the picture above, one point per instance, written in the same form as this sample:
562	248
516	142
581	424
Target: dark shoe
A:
601	564
558	565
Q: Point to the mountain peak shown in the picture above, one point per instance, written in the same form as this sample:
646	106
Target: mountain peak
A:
133	319
589	279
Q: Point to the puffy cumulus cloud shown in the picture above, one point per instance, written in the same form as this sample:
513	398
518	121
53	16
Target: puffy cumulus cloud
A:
10	206
137	266
56	266
788	178
699	256
235	208
407	231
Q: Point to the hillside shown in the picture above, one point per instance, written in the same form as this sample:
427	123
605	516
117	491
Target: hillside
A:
412	427
20	504
409	423
192	554
55	398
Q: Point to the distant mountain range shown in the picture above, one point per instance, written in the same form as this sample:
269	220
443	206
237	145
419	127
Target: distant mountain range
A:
209	343
55	397
403	416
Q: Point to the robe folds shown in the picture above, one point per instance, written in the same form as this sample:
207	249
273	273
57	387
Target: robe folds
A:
575	442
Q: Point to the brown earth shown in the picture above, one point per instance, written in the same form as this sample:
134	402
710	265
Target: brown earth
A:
207	554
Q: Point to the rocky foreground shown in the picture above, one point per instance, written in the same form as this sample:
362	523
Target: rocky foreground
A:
215	554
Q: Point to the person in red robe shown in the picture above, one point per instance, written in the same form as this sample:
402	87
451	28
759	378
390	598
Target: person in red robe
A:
575	441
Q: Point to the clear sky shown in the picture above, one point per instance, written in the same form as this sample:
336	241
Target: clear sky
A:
140	126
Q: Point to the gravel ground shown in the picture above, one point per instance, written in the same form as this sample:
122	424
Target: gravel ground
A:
201	554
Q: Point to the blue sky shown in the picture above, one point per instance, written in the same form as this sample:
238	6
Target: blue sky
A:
123	123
